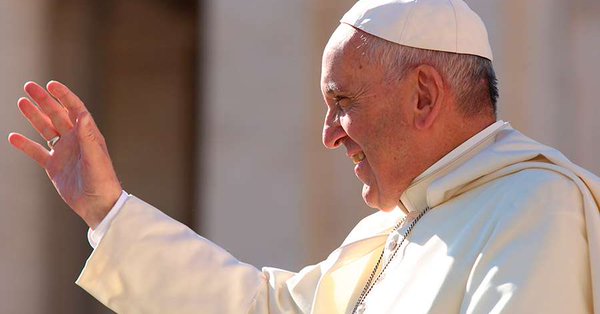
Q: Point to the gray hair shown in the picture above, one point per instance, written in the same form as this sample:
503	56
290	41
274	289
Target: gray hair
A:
472	78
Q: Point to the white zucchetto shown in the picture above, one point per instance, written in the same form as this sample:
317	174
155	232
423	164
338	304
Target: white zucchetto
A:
442	25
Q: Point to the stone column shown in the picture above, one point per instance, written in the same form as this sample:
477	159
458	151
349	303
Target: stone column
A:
272	195
545	54
584	44
257	104
23	191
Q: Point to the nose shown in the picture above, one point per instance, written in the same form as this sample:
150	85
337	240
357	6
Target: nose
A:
333	133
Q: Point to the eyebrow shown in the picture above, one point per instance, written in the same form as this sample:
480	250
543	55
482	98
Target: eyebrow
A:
332	89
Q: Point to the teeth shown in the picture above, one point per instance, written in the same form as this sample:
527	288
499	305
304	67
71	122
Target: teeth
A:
358	158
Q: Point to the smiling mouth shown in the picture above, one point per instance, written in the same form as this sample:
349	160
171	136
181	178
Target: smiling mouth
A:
358	158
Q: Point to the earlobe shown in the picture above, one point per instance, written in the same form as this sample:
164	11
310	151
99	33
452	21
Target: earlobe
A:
430	92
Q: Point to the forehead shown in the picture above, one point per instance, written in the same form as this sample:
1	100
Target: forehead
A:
343	59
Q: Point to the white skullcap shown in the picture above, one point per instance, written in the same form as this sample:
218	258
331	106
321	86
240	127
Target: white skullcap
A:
442	25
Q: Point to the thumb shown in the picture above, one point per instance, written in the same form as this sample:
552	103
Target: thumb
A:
90	140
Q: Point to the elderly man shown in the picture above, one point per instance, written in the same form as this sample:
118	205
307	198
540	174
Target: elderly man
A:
474	217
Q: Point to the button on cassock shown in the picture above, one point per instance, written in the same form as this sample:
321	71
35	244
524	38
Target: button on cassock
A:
361	308
393	242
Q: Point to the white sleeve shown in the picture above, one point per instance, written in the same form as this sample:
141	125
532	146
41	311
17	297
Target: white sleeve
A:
149	263
96	235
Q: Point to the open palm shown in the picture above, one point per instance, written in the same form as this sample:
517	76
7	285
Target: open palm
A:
78	165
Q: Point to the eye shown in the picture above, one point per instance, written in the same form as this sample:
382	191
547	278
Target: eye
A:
343	103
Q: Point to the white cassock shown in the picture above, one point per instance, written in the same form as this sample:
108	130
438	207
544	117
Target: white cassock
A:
513	228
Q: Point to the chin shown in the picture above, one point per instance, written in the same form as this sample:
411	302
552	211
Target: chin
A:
373	199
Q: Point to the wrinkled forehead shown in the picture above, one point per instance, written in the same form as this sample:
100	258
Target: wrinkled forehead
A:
344	40
343	55
344	60
338	57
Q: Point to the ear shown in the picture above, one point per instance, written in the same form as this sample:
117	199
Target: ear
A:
430	95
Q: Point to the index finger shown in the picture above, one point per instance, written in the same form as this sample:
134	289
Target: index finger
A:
67	98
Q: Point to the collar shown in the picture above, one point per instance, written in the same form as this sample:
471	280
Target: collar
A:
414	197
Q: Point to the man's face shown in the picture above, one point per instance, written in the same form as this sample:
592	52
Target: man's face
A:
368	115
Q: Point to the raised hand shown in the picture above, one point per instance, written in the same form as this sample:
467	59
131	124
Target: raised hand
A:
78	164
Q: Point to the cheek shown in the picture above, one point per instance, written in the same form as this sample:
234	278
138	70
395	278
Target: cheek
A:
383	135
390	148
356	129
347	124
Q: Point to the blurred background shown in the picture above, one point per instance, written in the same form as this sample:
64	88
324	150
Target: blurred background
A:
212	113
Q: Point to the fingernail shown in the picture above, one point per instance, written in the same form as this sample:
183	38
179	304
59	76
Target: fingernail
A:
33	88
10	137
27	83
56	87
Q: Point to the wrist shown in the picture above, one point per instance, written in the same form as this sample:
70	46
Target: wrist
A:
98	211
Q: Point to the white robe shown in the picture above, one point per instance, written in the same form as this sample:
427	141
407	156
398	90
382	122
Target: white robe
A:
514	227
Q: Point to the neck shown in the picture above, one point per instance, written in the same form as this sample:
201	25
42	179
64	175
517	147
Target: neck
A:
448	136
460	129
